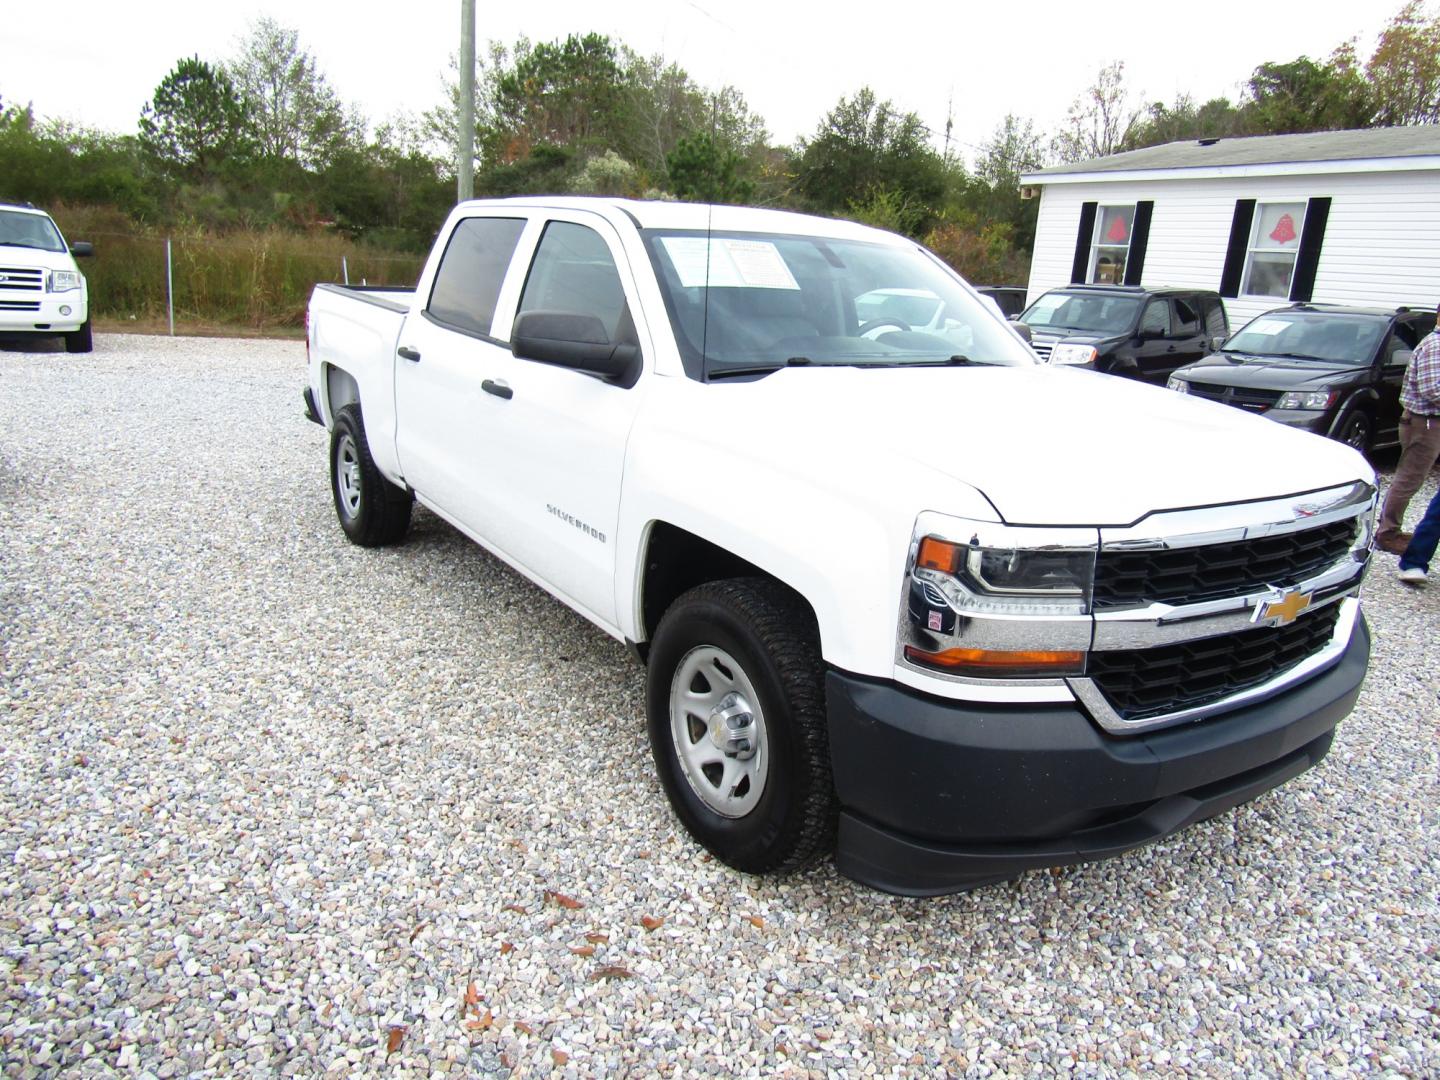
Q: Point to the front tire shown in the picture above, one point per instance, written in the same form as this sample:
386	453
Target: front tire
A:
735	697
79	341
1356	431
372	511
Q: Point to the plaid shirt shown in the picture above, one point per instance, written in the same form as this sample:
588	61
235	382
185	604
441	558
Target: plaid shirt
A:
1421	393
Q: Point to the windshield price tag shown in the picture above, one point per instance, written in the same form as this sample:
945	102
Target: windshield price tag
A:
1268	327
733	264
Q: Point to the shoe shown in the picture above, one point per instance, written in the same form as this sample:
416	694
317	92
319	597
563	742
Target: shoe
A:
1414	575
1396	544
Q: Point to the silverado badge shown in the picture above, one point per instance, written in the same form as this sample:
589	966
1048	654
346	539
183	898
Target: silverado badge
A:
1281	607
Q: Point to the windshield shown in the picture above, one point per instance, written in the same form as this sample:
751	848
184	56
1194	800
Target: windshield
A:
1310	335
742	302
1095	313
30	231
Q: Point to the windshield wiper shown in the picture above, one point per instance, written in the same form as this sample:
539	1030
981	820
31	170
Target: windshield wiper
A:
759	369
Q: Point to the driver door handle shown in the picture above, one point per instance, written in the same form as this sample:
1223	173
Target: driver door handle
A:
413	355
497	387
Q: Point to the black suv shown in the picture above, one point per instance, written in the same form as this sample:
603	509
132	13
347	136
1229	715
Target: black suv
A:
1010	299
1126	330
1329	369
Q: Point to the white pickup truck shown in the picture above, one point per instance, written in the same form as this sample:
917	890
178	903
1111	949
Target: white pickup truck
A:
902	592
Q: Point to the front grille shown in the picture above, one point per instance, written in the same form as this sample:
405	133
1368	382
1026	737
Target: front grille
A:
1043	349
1128	579
22	279
1141	683
19	305
1241	397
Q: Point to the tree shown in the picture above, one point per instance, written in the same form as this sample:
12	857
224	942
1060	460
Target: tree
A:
866	149
1304	95
1184	121
294	114
194	122
1101	121
1404	70
702	169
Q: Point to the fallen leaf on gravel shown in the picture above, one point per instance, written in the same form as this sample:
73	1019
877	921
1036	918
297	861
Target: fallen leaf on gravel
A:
520	1025
757	922
163	959
507	1060
506	948
597	939
560	1057
651	922
483	1023
397	1036
567	902
515	907
416	932
81	759
611	971
472	995
583	950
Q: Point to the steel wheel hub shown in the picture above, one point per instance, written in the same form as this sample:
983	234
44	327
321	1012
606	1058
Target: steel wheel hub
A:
719	732
347	475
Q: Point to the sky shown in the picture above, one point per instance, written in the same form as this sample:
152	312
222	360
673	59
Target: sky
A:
96	62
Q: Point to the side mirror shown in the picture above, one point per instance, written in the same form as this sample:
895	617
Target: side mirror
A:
82	249
1216	342
1023	329
571	340
1400	358
1150	335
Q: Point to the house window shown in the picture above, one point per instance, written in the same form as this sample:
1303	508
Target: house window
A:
1110	247
1274	243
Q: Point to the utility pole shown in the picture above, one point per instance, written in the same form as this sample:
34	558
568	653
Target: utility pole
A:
466	171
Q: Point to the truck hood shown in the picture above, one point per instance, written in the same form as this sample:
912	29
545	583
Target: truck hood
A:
1046	446
1268	373
10	255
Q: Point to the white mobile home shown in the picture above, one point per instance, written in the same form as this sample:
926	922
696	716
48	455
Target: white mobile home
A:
1347	217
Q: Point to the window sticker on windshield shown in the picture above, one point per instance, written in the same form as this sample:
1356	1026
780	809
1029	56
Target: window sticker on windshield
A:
1046	304
733	264
1267	327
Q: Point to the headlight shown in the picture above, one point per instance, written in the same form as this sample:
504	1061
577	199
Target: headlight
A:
1073	354
65	280
1312	400
1007	602
1180	386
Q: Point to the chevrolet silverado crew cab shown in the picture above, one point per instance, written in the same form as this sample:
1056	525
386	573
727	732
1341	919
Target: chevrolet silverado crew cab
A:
1326	368
905	594
41	289
1126	330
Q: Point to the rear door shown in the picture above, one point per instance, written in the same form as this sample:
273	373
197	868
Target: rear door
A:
1394	361
446	354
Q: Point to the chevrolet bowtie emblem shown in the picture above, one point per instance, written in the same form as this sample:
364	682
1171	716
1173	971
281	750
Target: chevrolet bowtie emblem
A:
1281	608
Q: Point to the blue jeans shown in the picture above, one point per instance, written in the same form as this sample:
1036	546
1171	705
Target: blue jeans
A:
1427	535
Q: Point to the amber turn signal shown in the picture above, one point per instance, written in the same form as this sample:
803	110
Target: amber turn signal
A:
939	555
995	662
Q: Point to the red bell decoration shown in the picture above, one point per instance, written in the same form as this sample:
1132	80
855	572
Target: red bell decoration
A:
1284	231
1119	232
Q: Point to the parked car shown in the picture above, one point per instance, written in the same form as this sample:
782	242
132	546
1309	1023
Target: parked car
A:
41	289
1009	298
1327	368
1141	333
878	615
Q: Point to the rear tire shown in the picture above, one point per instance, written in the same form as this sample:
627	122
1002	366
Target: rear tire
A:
735	696
79	341
372	511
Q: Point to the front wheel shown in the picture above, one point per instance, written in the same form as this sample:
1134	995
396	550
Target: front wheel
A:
735	697
372	511
1356	431
79	341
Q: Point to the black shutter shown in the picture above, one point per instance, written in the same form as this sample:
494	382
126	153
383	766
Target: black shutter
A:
1082	242
1139	240
1239	243
1302	285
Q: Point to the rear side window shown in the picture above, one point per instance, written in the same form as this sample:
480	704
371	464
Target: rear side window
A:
1186	320
574	272
471	272
1156	319
1215	324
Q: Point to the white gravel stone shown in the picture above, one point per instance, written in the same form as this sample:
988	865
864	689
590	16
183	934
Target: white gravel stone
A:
273	804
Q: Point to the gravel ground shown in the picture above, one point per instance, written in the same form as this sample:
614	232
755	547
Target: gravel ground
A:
273	804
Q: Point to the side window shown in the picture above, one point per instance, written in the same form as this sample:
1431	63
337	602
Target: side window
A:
1110	244
1215	324
1187	322
1274	243
471	272
574	273
1156	319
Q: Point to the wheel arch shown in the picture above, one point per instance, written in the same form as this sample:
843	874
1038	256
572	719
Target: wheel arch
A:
341	389
1364	399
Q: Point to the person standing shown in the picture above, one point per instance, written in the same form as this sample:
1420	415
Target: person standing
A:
1415	562
1419	441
